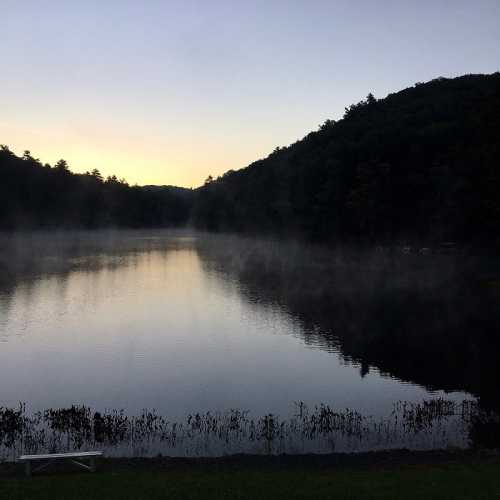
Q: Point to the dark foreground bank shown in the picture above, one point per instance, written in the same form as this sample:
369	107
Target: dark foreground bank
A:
383	475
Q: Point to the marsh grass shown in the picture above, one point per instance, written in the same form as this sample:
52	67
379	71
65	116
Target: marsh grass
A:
432	424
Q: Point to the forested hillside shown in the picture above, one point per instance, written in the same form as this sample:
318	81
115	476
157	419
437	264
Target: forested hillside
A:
420	165
41	196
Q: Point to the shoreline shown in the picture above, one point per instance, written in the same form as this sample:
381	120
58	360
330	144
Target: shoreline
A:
386	459
394	475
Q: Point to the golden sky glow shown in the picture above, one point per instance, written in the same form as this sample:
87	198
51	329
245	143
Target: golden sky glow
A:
171	91
143	161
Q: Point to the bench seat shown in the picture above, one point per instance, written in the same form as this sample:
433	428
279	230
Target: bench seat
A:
51	457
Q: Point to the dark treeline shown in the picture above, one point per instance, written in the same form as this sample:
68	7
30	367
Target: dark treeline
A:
421	165
44	196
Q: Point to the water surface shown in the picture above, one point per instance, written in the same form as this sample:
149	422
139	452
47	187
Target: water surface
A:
152	320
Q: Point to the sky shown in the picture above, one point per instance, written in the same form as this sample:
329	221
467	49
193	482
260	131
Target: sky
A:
169	92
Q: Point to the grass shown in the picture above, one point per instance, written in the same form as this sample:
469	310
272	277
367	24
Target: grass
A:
239	478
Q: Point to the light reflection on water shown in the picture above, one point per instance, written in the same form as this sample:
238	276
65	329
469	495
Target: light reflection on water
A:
155	325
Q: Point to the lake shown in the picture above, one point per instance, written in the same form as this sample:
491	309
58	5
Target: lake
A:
183	322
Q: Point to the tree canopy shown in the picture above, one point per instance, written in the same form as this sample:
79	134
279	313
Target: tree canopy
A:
41	196
422	164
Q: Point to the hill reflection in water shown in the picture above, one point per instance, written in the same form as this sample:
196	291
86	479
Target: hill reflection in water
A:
185	322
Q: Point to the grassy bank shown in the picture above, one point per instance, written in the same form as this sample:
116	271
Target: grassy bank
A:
372	476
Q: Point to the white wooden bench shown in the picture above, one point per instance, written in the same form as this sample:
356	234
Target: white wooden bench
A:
52	457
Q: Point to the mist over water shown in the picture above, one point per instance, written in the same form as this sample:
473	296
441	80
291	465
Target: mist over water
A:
183	322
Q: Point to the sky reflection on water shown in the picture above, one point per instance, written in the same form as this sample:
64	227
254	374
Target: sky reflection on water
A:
156	327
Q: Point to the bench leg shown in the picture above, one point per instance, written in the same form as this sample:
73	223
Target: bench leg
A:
92	464
28	469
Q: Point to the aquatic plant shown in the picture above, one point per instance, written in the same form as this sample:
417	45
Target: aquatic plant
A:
429	424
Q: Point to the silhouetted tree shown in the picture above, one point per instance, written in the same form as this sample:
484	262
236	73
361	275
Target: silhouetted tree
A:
370	99
61	165
96	175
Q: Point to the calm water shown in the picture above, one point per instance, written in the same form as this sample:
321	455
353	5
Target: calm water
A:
153	321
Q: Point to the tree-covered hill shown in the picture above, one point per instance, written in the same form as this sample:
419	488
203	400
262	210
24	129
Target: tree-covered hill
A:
41	196
420	165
